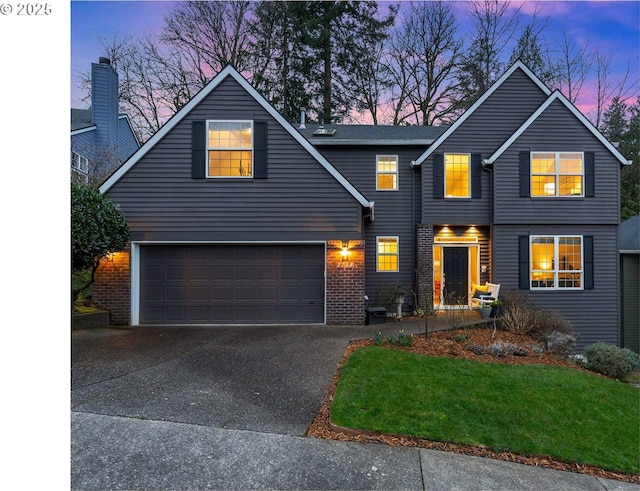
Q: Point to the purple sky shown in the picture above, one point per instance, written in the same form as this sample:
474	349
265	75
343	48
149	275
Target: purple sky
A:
609	26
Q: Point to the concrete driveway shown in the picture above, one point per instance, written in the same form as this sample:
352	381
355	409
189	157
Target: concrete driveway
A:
226	408
267	379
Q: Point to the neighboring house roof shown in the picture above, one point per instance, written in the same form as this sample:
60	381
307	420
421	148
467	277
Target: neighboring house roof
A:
518	65
629	236
362	134
557	96
199	97
81	120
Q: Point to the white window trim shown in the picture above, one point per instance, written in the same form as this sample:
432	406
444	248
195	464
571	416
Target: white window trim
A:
556	175
554	269
78	159
387	237
468	176
396	173
230	148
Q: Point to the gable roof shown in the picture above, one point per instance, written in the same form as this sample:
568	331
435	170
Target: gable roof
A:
518	65
557	96
229	71
369	134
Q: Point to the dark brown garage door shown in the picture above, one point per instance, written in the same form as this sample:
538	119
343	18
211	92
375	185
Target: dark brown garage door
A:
234	284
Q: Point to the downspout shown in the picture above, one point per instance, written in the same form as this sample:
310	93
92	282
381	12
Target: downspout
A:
489	168
416	297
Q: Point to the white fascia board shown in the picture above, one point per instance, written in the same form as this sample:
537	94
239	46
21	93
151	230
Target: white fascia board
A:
229	71
557	96
517	65
301	139
83	130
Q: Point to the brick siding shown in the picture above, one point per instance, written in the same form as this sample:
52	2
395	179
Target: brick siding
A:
345	283
424	239
112	288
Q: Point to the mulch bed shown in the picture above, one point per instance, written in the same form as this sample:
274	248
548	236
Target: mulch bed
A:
450	343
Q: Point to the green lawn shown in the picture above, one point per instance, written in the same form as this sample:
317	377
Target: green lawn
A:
569	415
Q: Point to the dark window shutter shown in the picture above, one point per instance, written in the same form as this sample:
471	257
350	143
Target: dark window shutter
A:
589	174
587	244
476	175
523	261
260	149
525	174
438	176
198	149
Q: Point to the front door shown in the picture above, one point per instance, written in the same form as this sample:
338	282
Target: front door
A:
455	275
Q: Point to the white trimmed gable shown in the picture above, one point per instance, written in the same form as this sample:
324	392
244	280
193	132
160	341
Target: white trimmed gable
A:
199	97
516	66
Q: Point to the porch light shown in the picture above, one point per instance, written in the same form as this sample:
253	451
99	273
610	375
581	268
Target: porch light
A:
345	250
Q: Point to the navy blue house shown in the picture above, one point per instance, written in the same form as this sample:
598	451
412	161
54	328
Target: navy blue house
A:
239	216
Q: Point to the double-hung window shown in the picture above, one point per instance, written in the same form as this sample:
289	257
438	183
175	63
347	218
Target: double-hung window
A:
387	254
557	173
556	262
387	173
80	166
79	163
457	176
230	149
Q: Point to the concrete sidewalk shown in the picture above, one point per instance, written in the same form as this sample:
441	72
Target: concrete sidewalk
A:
226	407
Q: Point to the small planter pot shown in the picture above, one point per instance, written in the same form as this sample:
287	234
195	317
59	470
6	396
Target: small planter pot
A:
485	312
496	311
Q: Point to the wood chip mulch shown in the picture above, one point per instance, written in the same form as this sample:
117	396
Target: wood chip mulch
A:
447	343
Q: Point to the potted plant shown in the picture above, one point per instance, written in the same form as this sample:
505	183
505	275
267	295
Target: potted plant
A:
496	308
485	310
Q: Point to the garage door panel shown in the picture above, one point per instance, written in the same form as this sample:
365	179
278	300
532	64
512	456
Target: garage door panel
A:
222	293
266	293
245	273
175	272
310	272
222	271
198	272
269	273
199	293
244	293
155	294
232	283
176	294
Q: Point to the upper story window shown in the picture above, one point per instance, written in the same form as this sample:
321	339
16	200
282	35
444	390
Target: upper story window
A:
79	163
387	256
387	173
556	262
557	173
457	176
229	149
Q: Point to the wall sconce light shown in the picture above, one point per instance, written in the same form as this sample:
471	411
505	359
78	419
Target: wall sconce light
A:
345	253
345	250
109	257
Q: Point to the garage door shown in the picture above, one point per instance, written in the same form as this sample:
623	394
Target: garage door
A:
227	284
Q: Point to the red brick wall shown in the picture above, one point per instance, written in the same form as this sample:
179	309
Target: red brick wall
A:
112	288
345	283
